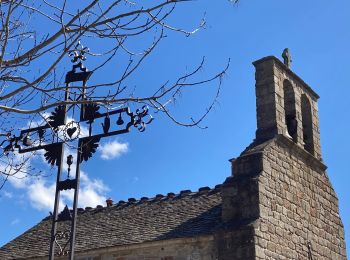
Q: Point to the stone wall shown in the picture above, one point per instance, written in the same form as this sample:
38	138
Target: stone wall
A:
236	242
282	193
200	248
299	216
240	209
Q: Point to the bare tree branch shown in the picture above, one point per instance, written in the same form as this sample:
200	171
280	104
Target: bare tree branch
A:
31	58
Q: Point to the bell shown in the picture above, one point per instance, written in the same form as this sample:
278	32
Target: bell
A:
120	120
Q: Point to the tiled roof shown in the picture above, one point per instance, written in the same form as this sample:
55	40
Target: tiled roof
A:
187	214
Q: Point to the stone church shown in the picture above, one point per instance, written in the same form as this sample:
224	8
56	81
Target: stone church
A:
278	202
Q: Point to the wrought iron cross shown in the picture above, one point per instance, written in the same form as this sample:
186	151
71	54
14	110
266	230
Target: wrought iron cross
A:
63	132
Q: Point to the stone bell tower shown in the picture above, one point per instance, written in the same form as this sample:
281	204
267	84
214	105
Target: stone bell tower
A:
279	202
286	105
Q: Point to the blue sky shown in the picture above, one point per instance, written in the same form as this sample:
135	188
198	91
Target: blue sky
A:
169	158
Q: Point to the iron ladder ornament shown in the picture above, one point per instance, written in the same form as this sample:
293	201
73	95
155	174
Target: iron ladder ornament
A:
63	132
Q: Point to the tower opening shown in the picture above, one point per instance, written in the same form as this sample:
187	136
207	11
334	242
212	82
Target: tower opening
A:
306	113
290	111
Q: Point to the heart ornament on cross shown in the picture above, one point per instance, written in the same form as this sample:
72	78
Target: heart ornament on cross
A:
71	131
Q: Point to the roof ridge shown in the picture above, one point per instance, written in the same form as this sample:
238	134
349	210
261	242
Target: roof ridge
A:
157	197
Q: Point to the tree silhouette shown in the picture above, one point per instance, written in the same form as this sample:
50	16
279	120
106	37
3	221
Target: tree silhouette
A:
37	35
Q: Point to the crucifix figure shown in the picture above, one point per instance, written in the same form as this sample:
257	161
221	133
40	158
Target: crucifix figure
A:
287	58
56	132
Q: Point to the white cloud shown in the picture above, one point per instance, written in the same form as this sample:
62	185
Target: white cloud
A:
15	221
41	192
41	195
7	194
18	179
92	193
90	197
113	150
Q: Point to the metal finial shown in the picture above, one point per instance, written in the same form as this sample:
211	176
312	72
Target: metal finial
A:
78	56
78	53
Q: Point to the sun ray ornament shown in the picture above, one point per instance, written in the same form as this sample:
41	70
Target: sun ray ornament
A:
57	132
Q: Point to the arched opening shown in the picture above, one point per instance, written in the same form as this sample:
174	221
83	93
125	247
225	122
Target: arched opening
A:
290	111
306	113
